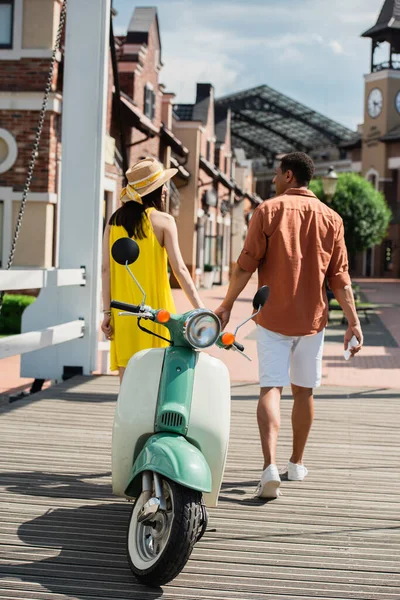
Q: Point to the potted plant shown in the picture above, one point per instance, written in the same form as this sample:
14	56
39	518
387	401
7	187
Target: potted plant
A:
209	275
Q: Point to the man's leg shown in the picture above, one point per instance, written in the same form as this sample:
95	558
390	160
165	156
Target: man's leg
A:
302	418
268	417
305	374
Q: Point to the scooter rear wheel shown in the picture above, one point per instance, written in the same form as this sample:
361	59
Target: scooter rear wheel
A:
158	551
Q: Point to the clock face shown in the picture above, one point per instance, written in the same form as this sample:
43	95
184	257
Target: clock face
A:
375	103
398	102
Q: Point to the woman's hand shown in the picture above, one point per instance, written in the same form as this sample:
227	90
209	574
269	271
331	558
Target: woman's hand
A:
106	327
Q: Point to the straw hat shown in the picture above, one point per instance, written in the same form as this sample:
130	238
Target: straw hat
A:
144	177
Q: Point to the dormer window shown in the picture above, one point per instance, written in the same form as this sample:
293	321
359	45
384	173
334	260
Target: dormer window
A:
208	150
6	23
149	102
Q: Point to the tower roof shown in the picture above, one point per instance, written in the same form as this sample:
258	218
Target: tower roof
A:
388	22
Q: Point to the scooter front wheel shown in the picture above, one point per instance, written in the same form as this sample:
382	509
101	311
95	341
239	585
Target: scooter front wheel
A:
159	549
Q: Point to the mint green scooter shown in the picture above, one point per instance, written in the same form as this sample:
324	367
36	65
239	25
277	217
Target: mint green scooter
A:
171	433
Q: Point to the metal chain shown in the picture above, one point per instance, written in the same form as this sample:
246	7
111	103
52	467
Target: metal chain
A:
36	143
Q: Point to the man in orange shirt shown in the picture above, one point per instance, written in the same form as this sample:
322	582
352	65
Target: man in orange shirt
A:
295	241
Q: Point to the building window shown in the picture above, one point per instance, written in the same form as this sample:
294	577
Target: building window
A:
373	177
208	150
6	23
227	167
149	102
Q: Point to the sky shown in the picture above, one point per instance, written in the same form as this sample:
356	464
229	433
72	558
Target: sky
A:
310	50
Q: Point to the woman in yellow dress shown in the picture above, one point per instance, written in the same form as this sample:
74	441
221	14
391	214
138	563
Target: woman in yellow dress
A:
141	218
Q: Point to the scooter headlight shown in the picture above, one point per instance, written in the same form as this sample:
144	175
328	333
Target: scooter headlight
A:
202	328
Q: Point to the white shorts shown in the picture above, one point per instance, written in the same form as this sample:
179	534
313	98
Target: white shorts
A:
285	359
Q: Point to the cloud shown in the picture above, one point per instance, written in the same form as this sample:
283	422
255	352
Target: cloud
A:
336	47
236	45
181	74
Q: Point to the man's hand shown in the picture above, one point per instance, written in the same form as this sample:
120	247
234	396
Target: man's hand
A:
224	314
354	330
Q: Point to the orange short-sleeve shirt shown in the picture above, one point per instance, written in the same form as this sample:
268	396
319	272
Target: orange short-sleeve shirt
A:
296	241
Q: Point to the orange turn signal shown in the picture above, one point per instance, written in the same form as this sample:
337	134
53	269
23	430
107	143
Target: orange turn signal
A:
163	316
227	339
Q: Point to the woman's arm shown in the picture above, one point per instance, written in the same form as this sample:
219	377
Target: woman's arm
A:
178	266
105	272
106	284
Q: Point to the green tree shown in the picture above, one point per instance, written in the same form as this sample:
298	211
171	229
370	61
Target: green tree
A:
365	213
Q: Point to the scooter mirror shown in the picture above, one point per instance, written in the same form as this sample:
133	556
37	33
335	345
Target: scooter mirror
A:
261	297
125	251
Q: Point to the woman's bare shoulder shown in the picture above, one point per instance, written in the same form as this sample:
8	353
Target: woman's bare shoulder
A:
161	219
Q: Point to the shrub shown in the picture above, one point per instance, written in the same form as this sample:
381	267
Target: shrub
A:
10	316
208	268
365	213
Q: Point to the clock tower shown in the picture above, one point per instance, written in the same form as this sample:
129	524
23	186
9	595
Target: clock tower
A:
382	95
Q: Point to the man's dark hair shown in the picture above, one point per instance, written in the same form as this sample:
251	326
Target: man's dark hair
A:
301	166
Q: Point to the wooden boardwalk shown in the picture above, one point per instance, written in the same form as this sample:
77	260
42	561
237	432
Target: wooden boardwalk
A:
334	536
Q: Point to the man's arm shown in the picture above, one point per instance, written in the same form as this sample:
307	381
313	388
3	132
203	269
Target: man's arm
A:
340	284
254	250
345	298
238	282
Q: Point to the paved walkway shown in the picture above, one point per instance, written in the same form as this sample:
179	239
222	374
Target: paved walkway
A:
334	536
377	366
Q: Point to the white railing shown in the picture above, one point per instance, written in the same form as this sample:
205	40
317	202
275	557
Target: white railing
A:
23	279
36	340
26	279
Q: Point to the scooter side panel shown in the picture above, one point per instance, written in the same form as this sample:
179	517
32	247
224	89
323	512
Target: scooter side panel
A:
135	413
209	423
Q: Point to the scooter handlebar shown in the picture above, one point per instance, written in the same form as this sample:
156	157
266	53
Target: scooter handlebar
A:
238	346
132	308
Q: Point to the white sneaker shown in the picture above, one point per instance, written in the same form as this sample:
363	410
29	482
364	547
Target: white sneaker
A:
269	484
296	472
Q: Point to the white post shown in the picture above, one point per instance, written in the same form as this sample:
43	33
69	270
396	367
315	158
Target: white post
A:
82	192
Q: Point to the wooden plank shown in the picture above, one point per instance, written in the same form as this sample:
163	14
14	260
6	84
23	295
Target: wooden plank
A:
63	533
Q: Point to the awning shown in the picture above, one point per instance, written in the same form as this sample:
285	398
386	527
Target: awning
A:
182	172
136	118
224	179
209	168
254	198
238	190
172	141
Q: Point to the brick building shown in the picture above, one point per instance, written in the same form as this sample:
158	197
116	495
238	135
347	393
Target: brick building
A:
209	199
28	32
25	54
142	120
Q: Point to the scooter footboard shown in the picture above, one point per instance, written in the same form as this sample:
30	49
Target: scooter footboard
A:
173	457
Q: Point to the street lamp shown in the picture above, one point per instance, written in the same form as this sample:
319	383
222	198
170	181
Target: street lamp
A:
329	183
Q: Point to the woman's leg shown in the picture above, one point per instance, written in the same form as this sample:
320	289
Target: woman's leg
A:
121	373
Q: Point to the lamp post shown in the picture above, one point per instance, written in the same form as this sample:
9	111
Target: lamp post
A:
329	183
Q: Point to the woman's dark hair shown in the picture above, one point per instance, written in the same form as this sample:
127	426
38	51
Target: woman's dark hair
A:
131	215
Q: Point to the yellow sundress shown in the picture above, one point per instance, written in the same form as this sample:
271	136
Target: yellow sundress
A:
151	271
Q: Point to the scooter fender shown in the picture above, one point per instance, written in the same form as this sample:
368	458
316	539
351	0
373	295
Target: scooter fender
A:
171	456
